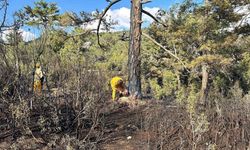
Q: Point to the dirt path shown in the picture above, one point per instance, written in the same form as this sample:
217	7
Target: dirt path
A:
126	128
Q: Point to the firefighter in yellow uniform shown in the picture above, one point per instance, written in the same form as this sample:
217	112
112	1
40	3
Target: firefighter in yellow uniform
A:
38	79
118	85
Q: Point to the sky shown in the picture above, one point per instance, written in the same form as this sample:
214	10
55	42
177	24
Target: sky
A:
119	12
88	5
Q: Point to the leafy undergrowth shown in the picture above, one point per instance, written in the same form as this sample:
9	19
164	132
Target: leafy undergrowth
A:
151	125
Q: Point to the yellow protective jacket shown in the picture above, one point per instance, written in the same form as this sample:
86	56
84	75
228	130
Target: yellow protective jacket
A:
37	80
117	84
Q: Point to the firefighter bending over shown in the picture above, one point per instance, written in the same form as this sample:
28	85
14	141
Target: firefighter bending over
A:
38	79
118	85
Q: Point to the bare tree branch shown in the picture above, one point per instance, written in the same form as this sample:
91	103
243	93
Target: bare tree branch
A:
168	51
79	34
79	21
101	17
244	19
153	17
145	1
5	7
6	27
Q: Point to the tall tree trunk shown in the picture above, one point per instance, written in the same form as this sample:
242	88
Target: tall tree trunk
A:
134	60
204	85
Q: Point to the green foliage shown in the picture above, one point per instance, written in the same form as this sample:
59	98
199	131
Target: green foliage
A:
56	39
114	59
181	96
236	93
245	67
73	19
203	35
192	100
42	13
164	86
212	60
221	82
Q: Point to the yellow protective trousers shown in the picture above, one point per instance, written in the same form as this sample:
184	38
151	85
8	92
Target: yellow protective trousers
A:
37	87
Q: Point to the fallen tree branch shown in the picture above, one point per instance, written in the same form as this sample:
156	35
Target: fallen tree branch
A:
168	51
101	17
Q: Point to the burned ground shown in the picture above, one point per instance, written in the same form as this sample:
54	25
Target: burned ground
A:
152	125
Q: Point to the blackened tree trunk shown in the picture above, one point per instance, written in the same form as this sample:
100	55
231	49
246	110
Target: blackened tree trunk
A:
134	60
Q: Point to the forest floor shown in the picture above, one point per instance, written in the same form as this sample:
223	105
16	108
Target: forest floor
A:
149	125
